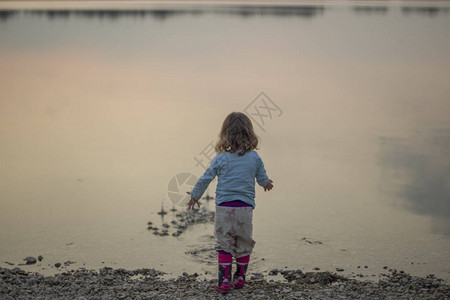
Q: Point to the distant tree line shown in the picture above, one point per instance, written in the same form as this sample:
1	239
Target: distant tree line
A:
237	10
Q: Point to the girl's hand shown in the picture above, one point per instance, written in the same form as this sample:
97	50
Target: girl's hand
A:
192	202
268	186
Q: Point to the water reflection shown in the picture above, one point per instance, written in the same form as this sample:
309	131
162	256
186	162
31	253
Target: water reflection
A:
379	10
7	14
278	11
163	14
425	11
113	14
420	175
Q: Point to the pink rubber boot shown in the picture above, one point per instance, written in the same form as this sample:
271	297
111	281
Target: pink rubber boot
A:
225	261
239	275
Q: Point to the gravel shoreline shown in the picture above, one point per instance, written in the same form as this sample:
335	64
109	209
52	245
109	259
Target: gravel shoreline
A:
108	283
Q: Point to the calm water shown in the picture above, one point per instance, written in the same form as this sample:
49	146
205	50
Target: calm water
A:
102	104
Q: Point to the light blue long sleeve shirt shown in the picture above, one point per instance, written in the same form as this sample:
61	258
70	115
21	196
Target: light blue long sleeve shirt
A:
236	177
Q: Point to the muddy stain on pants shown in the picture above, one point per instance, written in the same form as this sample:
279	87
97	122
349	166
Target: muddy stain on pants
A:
233	230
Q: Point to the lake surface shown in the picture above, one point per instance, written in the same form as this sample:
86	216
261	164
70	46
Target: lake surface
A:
103	103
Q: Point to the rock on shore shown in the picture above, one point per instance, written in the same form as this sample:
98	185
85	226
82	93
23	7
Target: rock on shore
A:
110	283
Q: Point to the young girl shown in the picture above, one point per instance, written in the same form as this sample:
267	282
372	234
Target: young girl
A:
236	166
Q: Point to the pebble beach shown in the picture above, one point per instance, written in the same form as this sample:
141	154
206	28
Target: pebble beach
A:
145	283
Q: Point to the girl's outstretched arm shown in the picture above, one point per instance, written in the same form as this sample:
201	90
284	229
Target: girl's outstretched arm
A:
261	176
192	202
268	186
203	182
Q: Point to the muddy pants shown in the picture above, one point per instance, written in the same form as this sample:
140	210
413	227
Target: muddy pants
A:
233	230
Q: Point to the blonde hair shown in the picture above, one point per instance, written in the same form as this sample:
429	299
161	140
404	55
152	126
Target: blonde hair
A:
237	134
